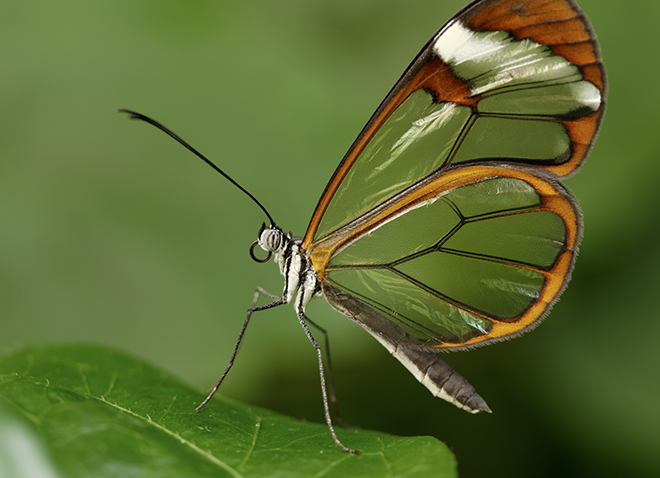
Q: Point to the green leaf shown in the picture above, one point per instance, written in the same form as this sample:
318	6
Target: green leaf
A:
79	411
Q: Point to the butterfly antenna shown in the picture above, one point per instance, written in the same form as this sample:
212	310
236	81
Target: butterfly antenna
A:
140	116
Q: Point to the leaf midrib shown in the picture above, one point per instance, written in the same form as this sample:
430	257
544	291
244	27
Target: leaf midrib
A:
209	456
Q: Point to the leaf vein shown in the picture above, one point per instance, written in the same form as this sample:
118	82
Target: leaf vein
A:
182	440
253	445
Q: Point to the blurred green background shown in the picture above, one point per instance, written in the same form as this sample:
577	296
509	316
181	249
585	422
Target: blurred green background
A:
111	233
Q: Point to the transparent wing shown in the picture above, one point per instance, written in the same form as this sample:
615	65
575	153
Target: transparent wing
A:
470	256
505	82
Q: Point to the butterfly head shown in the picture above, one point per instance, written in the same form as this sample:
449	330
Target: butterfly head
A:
272	240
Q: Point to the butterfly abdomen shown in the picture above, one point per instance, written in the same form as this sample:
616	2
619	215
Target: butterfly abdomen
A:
423	362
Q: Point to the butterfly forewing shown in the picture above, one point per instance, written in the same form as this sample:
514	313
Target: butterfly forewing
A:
512	81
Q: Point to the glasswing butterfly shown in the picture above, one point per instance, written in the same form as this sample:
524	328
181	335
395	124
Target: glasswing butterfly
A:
445	226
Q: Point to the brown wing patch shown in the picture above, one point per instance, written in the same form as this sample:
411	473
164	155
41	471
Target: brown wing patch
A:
562	26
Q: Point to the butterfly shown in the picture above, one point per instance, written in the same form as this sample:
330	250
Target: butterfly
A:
445	226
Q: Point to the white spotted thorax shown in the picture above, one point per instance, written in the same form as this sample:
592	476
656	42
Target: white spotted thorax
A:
293	263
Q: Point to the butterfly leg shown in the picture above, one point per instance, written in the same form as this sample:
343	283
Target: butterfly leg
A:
331	383
328	419
264	292
278	301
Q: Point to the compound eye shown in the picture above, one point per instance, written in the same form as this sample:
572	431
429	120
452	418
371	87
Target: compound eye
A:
271	239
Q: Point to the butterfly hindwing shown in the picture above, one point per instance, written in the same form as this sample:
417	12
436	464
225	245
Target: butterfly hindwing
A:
472	256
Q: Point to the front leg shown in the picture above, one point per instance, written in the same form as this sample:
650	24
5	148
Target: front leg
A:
324	392
277	301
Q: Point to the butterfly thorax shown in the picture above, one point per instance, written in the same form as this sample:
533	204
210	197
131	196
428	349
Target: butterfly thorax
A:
295	266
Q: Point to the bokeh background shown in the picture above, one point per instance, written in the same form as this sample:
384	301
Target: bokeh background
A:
111	233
